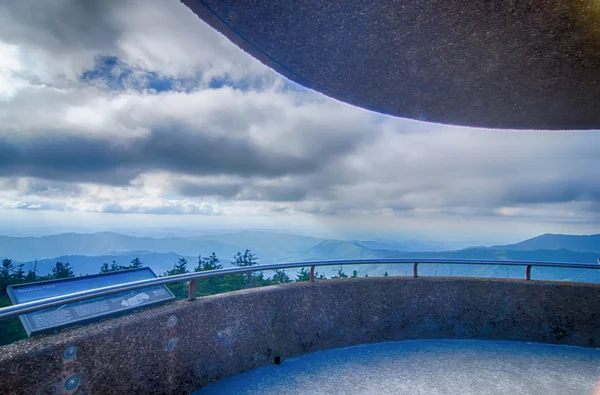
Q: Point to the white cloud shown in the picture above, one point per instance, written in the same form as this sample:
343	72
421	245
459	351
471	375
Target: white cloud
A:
10	65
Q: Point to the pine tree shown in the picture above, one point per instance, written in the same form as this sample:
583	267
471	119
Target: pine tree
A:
281	277
303	275
354	274
210	262
248	259
180	267
6	274
113	267
136	263
209	285
62	270
18	275
340	273
32	274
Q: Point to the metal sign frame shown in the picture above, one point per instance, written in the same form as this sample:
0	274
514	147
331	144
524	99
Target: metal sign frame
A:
131	300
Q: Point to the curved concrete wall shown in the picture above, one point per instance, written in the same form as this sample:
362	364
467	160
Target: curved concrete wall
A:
178	348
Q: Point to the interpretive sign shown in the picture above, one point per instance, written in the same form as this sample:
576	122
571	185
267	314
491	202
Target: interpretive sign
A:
87	310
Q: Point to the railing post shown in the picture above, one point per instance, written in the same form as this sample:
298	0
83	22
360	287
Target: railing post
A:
528	272
312	274
415	271
192	290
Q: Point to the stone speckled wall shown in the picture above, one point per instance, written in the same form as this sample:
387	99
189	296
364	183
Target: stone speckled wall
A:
179	347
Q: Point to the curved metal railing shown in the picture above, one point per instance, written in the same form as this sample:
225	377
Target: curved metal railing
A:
42	304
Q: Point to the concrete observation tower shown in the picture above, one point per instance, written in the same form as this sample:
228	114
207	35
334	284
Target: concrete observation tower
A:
531	64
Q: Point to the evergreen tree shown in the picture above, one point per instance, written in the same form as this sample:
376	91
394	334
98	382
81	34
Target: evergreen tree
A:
340	273
180	290
210	262
180	267
113	267
248	259
62	270
6	271
281	277
354	274
385	274
32	274
210	285
18	274
136	263
198	267
303	275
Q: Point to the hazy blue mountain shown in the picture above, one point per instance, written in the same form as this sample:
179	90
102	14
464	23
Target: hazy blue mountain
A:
487	253
548	241
104	243
159	262
268	245
86	252
335	249
408	245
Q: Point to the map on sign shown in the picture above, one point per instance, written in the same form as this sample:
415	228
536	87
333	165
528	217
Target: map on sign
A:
87	310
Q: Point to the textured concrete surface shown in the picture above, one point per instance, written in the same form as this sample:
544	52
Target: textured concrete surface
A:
527	64
180	347
426	367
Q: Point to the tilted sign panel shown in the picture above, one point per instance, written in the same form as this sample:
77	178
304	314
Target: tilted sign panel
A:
83	311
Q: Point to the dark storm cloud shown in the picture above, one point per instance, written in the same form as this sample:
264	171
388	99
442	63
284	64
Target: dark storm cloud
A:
319	184
59	25
225	189
35	186
277	193
585	187
244	190
80	158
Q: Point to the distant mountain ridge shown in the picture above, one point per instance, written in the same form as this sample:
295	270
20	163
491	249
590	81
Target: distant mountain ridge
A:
269	246
86	252
336	249
104	243
550	241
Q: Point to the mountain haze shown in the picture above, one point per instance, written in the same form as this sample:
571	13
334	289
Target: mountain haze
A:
548	241
104	243
86	252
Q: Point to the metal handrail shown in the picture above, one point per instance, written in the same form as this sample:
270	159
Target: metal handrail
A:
42	304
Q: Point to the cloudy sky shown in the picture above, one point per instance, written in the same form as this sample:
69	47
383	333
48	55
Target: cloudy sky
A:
136	114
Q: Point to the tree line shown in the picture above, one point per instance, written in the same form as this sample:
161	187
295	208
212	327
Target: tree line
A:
11	273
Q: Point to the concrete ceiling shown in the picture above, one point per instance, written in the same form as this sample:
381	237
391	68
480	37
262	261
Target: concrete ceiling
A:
518	64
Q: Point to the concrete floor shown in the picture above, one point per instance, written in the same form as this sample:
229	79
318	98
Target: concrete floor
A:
427	367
